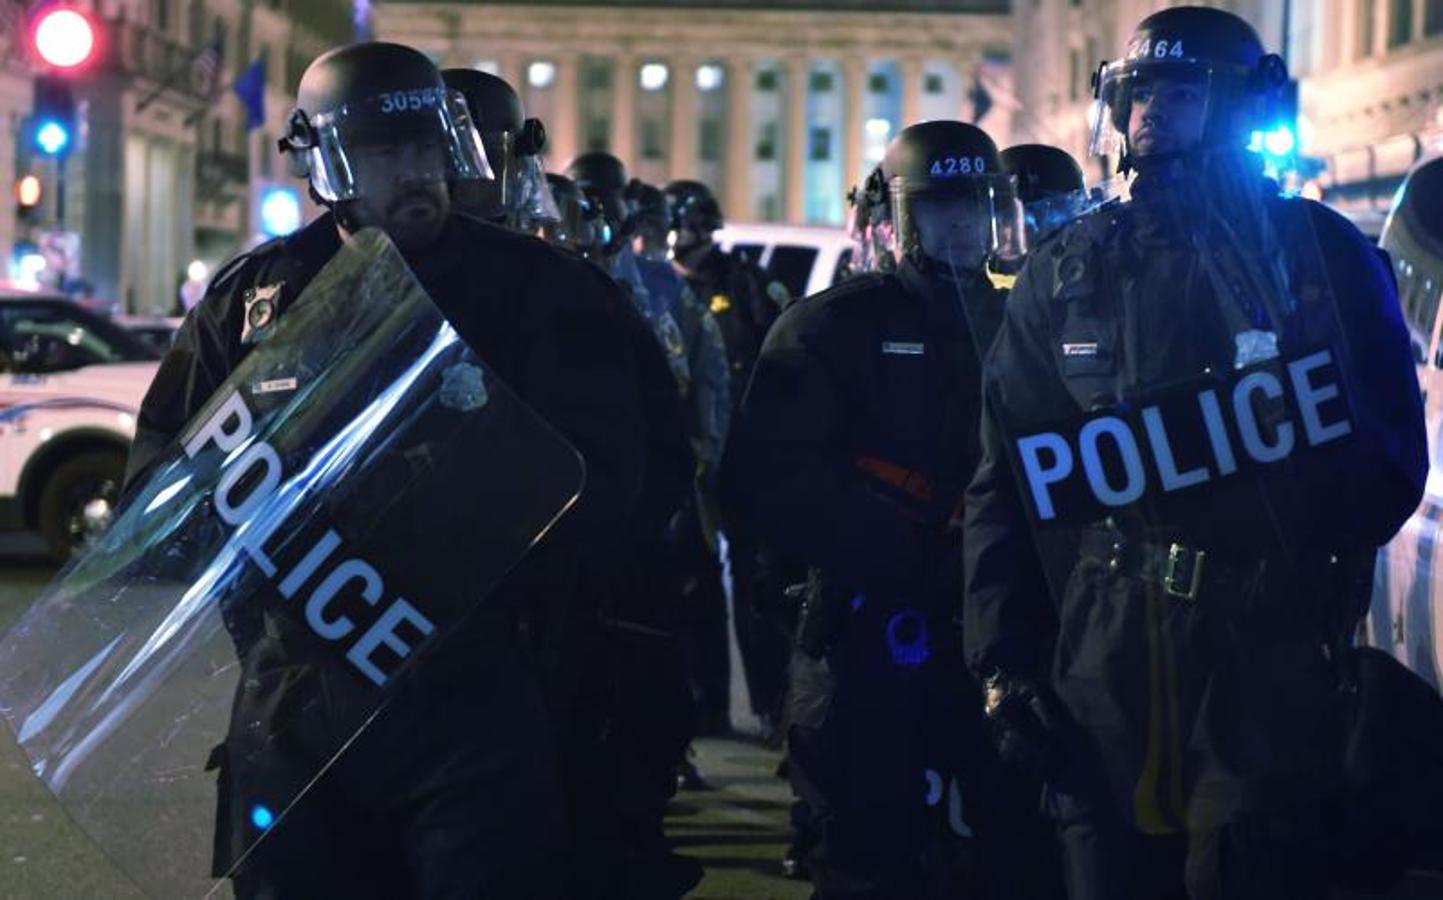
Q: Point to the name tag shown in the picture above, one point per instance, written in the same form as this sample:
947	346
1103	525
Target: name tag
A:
1197	433
1079	349
902	348
274	387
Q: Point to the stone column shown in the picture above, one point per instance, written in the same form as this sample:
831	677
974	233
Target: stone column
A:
561	129
910	71
854	89
681	158
510	68
623	109
739	150
794	122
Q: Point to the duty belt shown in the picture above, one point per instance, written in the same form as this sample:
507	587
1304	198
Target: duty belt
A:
1182	571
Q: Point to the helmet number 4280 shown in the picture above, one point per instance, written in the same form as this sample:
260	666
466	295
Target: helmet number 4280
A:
959	165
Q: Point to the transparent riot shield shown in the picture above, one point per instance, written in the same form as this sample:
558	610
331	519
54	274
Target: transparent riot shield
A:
1202	420
354	489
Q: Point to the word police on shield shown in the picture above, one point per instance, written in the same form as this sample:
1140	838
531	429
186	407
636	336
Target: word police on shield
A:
252	473
1188	436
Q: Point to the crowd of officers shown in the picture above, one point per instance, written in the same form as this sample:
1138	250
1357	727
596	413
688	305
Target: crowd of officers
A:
953	726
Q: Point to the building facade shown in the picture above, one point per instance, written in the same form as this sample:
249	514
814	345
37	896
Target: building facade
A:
164	168
779	106
1372	92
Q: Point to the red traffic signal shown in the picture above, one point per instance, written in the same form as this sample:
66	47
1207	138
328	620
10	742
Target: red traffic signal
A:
62	36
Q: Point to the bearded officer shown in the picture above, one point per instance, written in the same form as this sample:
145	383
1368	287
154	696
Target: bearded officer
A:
453	789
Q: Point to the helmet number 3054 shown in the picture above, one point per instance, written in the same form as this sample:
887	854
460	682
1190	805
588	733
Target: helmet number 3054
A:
959	165
401	101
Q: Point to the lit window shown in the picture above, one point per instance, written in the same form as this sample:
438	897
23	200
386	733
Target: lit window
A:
489	66
653	77
709	77
541	74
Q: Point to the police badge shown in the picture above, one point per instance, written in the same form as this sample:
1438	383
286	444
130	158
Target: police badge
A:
260	311
463	388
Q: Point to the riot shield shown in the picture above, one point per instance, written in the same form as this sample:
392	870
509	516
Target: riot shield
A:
1201	420
356	487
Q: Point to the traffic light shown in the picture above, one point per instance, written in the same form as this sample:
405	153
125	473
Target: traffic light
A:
63	39
27	198
52	125
62	36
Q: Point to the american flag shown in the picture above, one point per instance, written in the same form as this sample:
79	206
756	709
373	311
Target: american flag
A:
205	69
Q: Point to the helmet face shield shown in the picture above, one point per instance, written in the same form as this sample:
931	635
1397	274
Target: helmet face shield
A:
959	222
1146	106
525	196
426	131
1044	216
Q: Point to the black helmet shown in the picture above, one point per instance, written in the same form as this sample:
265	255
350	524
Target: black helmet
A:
602	178
375	93
1197	44
1413	237
1050	186
513	147
693	206
494	104
580	225
956	165
1042	171
651	223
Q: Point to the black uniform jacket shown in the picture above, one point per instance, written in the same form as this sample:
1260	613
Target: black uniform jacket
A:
859	431
735	291
551	326
1210	704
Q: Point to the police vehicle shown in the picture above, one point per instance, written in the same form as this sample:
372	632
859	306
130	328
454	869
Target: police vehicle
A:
71	383
805	259
1407	605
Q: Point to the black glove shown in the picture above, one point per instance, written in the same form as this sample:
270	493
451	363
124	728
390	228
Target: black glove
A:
1025	721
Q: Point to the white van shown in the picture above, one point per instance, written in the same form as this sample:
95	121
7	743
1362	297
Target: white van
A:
806	259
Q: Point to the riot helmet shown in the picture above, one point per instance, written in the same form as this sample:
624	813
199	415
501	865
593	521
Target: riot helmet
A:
603	179
881	233
580	226
1413	237
1193	78
370	100
519	193
1049	184
951	201
695	215
859	230
651	225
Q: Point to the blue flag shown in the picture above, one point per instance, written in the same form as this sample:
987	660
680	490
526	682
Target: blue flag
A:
250	87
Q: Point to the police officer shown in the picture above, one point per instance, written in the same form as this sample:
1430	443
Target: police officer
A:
745	302
1049	184
855	440
452	790
708	389
517	196
578	226
1179	699
632	713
